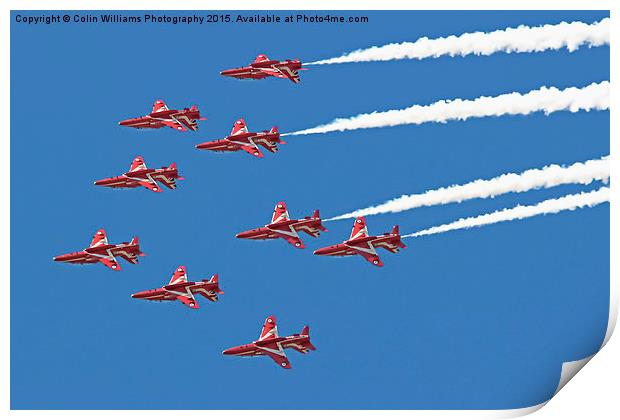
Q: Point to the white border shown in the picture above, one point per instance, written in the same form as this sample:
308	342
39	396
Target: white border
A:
600	384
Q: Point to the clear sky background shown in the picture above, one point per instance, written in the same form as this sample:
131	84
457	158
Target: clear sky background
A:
481	318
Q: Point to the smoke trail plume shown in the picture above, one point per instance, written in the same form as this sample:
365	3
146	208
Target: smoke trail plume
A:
552	206
523	39
548	100
547	177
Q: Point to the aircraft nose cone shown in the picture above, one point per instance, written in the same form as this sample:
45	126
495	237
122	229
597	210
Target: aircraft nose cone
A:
227	352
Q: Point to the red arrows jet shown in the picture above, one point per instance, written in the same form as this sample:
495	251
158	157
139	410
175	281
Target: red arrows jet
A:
241	139
270	344
141	176
362	244
100	251
183	290
161	116
282	226
264	67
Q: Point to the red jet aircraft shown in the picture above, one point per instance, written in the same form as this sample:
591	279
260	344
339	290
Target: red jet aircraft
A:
362	244
270	344
161	116
183	290
241	139
264	67
282	226
100	251
141	176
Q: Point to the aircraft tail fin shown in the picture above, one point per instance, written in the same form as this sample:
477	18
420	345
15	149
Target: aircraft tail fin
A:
317	215
134	241
215	280
307	344
396	231
172	166
274	130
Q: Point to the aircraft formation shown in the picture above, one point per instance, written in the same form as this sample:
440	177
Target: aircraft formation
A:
281	226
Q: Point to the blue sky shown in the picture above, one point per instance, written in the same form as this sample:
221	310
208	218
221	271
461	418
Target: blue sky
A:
480	319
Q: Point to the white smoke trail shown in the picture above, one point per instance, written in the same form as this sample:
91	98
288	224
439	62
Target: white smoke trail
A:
523	39
552	206
547	177
548	100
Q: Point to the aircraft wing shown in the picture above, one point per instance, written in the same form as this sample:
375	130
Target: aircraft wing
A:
359	229
168	182
305	226
110	262
302	348
174	123
99	238
239	127
189	301
371	258
212	298
368	251
290	235
277	355
286	72
295	241
283	73
133	259
149	185
270	329
272	147
253	150
184	121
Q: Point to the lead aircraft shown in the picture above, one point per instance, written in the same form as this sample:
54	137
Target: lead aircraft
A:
272	345
263	67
